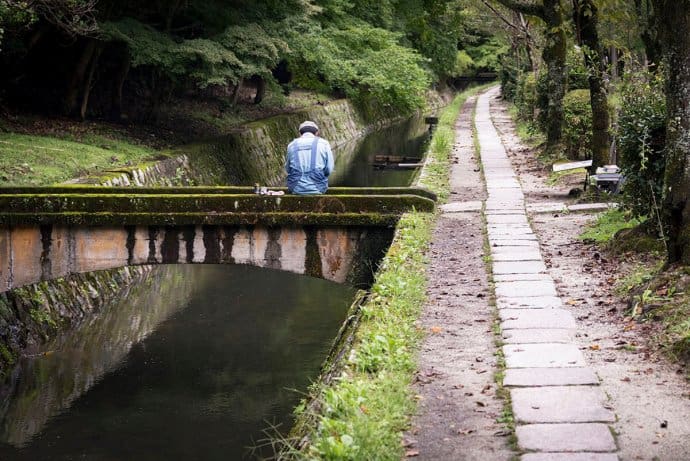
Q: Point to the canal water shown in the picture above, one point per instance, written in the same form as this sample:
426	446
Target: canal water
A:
354	161
195	363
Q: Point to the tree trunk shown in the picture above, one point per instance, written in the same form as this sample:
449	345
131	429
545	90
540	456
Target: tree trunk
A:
260	89
118	84
554	54
649	23
88	83
72	94
673	22
585	15
236	93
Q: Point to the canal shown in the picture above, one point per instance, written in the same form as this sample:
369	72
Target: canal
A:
196	362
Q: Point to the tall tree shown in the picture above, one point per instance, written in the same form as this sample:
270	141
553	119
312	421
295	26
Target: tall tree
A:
586	18
672	23
554	55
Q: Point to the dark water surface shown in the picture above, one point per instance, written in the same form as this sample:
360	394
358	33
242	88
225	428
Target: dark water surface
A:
354	161
199	385
194	363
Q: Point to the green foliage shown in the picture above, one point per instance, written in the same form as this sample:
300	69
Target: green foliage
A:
464	65
487	56
577	70
641	140
577	129
365	63
14	14
239	52
608	225
526	96
43	160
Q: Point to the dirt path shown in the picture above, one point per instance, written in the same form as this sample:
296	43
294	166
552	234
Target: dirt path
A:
649	395
458	406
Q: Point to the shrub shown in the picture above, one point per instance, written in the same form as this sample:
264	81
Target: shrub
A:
577	70
641	140
526	96
577	129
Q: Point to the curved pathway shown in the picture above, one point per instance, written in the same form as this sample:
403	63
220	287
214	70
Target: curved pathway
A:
558	407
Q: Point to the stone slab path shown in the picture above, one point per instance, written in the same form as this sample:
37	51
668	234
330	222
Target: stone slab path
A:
559	409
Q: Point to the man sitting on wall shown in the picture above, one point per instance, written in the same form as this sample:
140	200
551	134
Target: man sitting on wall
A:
309	161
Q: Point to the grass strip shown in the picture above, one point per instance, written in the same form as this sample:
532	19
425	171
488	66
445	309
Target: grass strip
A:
361	414
40	160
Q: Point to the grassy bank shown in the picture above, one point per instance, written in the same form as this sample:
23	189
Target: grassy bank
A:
362	414
27	159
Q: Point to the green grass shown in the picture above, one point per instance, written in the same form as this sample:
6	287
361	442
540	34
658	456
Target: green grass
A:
362	414
607	225
40	160
528	133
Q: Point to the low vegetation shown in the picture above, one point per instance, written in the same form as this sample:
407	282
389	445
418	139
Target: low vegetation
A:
363	413
41	160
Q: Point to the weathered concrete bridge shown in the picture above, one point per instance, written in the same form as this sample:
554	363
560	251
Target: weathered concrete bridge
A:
51	232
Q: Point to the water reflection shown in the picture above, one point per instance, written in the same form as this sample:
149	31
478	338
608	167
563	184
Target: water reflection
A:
42	386
201	386
353	166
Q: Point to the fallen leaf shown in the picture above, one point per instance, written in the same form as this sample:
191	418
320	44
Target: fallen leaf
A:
594	347
411	453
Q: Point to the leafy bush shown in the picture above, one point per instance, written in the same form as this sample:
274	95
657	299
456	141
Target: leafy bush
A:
641	140
577	70
577	129
364	63
526	96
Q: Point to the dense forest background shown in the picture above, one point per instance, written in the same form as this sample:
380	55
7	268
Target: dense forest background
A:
119	60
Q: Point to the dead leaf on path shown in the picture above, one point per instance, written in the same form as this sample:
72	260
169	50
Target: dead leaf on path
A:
595	347
407	442
466	431
436	330
625	380
411	453
481	404
572	302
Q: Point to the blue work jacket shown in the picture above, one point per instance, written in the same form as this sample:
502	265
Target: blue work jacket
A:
308	165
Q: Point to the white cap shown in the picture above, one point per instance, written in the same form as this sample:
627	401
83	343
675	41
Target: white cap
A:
308	124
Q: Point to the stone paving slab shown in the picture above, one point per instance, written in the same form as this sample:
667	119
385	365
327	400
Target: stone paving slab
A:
538	335
517	319
520	277
560	404
492	219
530	302
526	289
515	231
518	267
593	437
569	457
559	207
513	209
515	251
535	377
526	242
459	207
500	238
517	257
548	355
